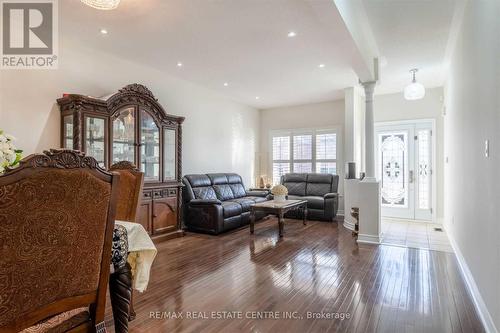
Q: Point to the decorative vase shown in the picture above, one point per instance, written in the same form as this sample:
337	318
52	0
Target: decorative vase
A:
280	198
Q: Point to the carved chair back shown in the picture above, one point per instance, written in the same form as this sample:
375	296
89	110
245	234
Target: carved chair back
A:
131	183
57	213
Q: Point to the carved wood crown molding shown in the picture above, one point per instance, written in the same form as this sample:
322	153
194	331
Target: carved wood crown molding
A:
138	89
123	165
57	158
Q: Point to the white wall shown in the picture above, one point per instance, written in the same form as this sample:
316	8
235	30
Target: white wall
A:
220	135
393	107
317	115
472	184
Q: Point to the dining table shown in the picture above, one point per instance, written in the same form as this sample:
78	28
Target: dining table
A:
132	256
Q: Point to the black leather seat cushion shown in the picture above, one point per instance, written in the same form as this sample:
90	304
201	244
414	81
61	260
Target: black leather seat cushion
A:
230	209
238	190
312	202
244	202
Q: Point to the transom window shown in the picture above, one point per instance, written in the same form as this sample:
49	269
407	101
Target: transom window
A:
303	151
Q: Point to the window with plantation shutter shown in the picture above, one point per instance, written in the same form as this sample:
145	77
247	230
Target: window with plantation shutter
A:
303	151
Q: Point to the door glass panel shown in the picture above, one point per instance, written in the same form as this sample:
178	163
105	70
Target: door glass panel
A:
393	167
68	132
150	147
124	136
170	153
94	139
424	174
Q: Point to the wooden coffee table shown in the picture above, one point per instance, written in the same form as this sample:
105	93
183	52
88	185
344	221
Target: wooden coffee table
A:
278	208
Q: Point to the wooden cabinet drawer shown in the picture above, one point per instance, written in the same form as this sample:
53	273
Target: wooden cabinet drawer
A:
172	192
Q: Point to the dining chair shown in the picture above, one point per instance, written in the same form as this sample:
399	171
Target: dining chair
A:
131	183
57	212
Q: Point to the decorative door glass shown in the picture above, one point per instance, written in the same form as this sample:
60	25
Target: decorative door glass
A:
424	168
393	166
124	136
150	147
68	131
170	154
95	129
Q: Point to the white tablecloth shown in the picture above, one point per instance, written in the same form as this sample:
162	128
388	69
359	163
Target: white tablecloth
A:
142	253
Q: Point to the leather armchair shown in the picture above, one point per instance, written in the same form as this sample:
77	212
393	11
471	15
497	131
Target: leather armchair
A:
214	203
320	191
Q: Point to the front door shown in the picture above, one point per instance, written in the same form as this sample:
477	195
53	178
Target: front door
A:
404	169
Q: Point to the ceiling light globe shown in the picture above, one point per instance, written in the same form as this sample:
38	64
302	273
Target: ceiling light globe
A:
102	4
414	91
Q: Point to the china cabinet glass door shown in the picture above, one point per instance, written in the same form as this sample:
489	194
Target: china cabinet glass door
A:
169	154
150	147
68	131
124	142
95	144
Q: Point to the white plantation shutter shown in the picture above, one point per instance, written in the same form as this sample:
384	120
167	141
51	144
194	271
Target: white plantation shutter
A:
326	153
303	151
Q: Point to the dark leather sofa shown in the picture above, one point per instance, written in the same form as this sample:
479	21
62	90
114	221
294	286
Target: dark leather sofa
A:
217	202
320	191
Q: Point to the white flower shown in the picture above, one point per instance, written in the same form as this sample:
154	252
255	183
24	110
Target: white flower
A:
10	137
3	138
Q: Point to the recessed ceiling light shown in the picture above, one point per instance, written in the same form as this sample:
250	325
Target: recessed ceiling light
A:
226	84
321	65
292	34
103	31
257	97
179	64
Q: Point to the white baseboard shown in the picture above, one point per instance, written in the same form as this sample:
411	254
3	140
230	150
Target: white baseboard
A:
368	239
477	299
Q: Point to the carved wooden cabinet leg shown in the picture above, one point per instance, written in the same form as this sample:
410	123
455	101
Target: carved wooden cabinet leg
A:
120	292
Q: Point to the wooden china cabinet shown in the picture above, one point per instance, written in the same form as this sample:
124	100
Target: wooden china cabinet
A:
132	126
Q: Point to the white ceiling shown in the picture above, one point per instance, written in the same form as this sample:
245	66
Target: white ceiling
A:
245	43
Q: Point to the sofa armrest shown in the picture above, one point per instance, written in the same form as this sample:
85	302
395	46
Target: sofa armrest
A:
258	193
201	202
331	205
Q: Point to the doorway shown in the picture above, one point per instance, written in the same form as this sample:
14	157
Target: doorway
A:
404	168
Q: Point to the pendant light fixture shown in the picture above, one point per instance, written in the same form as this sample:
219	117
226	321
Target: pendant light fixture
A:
414	90
102	4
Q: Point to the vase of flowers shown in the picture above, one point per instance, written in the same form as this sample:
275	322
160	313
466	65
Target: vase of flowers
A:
279	192
9	155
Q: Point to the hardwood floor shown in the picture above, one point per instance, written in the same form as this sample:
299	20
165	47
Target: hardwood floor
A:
314	270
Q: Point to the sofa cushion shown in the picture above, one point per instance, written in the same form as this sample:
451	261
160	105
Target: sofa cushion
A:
295	177
230	209
244	202
223	192
319	184
256	199
233	178
198	180
312	201
296	188
217	178
205	193
238	190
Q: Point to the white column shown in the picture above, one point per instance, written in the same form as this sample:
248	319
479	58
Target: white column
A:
369	131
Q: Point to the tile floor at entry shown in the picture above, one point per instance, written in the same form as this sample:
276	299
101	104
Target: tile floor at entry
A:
420	235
